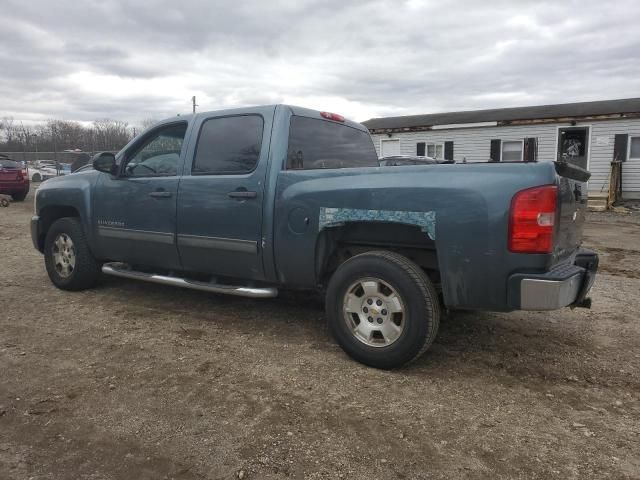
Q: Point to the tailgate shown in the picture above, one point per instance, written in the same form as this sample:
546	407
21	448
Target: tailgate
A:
572	205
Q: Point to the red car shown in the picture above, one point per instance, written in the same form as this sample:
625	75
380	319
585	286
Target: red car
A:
14	179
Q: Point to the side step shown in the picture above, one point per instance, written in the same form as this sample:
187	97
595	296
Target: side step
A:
120	270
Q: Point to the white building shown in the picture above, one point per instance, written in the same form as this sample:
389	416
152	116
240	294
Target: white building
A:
589	134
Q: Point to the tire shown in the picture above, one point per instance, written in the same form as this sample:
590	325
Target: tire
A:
84	271
36	177
396	276
19	197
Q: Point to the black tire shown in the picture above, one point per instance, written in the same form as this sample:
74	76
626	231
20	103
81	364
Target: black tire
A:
19	197
86	271
418	296
36	177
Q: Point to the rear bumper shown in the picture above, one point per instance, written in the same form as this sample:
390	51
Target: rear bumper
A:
565	285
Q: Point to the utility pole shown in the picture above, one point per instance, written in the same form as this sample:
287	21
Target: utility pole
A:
35	137
193	100
55	145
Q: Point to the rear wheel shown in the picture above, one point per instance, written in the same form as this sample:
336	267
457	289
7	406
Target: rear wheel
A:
69	262
36	177
382	309
19	197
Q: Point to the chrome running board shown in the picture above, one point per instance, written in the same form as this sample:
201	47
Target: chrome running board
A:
120	270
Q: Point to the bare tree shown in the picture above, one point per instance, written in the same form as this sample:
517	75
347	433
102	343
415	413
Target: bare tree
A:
110	134
59	135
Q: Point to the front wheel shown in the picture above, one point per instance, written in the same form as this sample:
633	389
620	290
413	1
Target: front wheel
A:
382	309
69	262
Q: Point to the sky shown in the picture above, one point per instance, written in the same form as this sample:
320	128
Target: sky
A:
140	59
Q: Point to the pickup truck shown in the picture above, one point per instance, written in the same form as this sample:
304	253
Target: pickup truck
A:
249	201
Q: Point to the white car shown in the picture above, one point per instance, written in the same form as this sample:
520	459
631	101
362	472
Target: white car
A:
35	175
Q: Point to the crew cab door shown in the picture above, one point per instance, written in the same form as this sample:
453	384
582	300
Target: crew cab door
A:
135	212
220	197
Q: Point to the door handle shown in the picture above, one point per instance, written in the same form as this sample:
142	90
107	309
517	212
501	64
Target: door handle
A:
160	194
242	194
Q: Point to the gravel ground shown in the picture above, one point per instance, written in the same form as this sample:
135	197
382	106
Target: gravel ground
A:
141	381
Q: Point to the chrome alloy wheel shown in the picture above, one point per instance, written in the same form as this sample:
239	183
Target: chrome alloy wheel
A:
64	255
374	312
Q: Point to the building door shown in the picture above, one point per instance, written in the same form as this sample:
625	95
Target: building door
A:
390	147
573	146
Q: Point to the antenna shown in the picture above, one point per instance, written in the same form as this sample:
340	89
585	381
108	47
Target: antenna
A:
193	100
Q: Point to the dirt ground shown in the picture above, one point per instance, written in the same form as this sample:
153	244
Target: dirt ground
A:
140	381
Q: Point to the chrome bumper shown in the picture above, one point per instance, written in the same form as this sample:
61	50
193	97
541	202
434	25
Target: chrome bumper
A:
563	286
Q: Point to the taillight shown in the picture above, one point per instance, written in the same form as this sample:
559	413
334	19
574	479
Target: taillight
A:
332	116
532	220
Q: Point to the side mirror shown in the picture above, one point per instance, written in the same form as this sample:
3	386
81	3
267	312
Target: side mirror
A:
105	162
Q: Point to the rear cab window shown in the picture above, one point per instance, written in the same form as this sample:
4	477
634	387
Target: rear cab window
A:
317	144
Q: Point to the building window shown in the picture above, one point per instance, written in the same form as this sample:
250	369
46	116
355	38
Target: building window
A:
435	150
634	148
512	151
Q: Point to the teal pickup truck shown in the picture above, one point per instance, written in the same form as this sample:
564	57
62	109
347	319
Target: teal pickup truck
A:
249	201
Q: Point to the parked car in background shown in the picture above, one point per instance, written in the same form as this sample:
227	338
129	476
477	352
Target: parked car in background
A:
14	179
84	168
45	169
45	163
35	175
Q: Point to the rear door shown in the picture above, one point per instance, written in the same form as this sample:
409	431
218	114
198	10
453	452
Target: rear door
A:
221	194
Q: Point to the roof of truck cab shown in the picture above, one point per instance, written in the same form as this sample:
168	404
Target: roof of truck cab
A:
295	110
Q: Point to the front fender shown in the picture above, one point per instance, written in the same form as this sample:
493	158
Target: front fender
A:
59	195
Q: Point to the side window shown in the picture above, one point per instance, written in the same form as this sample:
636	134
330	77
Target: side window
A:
315	143
228	145
159	154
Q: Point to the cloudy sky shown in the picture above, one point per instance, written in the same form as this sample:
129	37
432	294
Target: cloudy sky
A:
131	60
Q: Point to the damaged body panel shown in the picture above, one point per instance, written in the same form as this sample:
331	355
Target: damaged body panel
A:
459	210
332	217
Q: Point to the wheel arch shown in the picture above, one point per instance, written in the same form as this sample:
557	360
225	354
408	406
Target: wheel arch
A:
336	244
48	215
